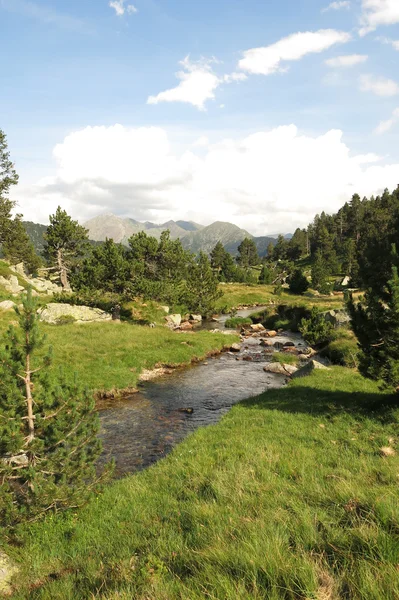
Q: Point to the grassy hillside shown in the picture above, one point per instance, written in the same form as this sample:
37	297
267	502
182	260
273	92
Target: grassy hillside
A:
288	498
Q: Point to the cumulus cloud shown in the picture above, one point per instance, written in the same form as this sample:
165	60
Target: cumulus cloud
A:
272	59
387	125
378	12
273	180
120	7
339	5
198	83
381	86
349	60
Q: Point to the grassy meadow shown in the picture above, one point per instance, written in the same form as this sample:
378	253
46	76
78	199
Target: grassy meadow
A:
111	355
289	497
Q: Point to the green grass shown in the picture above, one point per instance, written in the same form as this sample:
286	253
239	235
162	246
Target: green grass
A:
285	358
237	322
250	295
287	498
111	355
343	348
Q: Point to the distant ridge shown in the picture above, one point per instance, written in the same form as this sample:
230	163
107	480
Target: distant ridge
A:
194	237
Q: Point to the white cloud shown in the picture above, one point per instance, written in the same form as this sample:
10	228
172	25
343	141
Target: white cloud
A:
198	83
349	60
387	125
267	60
395	44
339	5
120	8
381	86
264	182
378	12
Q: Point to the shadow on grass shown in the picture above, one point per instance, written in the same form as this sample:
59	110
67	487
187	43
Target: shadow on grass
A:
312	401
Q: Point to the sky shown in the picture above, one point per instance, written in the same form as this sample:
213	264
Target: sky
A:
257	112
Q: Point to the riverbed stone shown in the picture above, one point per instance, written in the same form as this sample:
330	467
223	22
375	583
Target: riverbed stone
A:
280	369
311	366
186	326
55	313
257	327
196	318
173	321
235	348
271	333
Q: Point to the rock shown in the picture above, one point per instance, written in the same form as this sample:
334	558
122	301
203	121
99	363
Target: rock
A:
266	343
313	365
257	327
338	318
271	333
247	357
7	571
188	411
173	321
186	326
166	309
289	345
280	369
290	350
235	348
57	313
7	305
11	284
196	318
387	451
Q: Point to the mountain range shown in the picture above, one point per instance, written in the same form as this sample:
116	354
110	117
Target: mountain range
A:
194	237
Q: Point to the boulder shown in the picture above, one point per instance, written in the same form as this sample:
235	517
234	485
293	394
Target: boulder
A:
57	313
186	326
173	321
7	305
266	343
196	318
313	365
257	327
338	318
271	333
280	369
7	571
289	345
235	348
166	309
11	284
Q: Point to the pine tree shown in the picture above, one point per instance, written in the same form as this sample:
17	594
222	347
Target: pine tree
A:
66	241
319	272
266	275
298	282
280	249
202	287
247	254
48	429
218	256
375	321
18	248
270	251
8	178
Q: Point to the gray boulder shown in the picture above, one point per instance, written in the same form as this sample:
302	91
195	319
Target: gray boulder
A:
57	313
311	366
337	318
280	369
173	321
7	305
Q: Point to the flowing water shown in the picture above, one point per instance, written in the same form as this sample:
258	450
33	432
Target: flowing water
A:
140	429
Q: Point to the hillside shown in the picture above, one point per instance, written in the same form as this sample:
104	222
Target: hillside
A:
36	233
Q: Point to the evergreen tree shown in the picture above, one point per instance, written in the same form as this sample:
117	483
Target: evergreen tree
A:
247	254
280	249
8	178
66	241
297	245
270	251
18	248
375	321
218	256
298	282
266	275
319	272
106	269
202	287
48	429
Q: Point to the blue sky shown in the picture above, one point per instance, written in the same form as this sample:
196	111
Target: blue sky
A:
279	109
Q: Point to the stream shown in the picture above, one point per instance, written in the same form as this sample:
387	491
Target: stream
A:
140	429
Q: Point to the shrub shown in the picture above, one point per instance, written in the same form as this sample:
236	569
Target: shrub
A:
316	330
298	282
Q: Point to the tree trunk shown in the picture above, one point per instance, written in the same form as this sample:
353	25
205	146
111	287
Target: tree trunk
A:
29	400
63	271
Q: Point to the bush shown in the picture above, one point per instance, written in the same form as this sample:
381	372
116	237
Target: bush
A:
316	330
278	290
342	349
298	282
